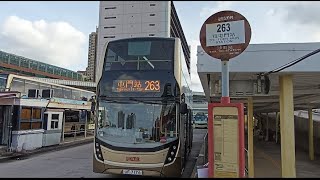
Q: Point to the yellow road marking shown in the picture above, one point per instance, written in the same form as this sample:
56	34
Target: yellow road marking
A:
267	157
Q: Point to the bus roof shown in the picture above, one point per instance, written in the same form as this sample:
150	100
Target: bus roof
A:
142	38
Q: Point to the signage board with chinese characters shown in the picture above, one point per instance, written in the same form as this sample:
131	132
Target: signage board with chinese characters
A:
220	34
226	145
225	35
226	140
136	86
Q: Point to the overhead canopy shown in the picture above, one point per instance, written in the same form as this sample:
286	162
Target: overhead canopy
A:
8	94
260	58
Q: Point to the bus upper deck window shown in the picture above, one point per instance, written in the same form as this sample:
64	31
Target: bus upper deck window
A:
139	48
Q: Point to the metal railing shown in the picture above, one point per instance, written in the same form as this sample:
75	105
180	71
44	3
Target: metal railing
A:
205	152
246	171
77	131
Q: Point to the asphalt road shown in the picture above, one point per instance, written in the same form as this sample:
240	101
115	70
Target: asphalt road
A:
75	162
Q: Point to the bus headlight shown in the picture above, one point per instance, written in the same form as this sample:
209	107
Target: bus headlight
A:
97	148
172	152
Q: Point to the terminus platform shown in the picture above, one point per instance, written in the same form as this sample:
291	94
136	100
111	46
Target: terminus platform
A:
294	88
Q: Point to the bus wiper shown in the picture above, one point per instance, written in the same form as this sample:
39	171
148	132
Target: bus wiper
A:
160	101
148	62
104	98
144	101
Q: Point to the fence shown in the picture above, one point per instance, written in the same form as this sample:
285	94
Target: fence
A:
246	171
77	131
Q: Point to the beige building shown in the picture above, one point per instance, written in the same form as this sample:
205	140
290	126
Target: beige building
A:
92	52
124	19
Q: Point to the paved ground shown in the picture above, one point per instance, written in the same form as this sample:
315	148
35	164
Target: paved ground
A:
74	162
267	157
198	135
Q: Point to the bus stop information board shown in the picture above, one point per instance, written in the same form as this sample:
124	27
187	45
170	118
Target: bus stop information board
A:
226	145
225	35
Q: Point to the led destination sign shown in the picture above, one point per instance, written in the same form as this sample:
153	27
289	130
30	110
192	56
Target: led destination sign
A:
136	86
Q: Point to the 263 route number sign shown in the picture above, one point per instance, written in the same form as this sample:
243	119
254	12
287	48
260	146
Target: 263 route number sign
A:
225	35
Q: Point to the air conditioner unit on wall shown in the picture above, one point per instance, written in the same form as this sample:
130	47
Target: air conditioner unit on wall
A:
33	93
47	93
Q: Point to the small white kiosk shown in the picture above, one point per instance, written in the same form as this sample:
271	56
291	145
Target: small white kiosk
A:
52	127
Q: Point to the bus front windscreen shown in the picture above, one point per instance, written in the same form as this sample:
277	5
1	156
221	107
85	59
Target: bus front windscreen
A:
138	67
139	54
136	124
203	117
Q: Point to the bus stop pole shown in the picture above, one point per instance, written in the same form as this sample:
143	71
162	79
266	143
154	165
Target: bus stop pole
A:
225	81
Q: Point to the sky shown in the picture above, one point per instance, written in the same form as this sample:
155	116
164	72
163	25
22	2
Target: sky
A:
57	32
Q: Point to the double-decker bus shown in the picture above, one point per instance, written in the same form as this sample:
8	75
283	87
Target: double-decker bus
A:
143	107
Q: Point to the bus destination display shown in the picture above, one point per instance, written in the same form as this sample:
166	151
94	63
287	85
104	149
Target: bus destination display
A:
136	86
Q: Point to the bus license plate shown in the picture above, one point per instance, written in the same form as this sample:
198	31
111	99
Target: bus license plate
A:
132	172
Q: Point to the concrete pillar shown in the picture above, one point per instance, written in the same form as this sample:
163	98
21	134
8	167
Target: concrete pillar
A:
267	128
250	138
288	158
277	126
311	146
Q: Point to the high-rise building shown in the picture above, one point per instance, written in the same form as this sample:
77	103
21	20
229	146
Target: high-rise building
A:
124	19
121	119
92	51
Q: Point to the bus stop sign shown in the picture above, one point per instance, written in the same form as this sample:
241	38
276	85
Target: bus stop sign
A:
225	35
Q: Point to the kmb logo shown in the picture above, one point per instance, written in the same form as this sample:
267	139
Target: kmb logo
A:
132	159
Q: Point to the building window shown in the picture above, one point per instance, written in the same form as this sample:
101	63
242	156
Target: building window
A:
151	34
152	14
110	8
67	93
110	17
14	60
109	27
54	121
109	37
36	114
18	85
151	24
30	118
152	4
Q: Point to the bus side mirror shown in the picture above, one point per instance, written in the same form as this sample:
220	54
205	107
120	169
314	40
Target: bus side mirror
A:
183	108
93	106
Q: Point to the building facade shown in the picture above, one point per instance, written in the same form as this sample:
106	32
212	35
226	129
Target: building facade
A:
125	19
92	51
35	114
